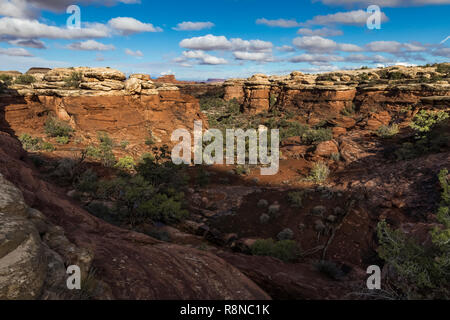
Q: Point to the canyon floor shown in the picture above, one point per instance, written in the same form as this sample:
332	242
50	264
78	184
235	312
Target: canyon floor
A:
86	179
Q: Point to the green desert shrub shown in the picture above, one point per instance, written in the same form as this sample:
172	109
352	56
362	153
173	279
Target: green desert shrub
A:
295	198
335	157
388	131
25	79
62	140
349	111
291	129
159	171
149	141
425	120
274	210
264	218
263	203
285	250
330	269
124	144
319	173
422	271
242	170
56	128
316	136
7	79
286	234
273	100
163	208
443	68
74	80
125	163
30	143
87	181
104	151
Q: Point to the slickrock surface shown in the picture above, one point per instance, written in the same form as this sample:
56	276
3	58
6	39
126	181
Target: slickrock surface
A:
34	245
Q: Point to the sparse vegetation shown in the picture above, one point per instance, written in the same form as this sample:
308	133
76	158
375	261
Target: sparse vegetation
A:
330	269
335	157
7	79
274	210
87	181
62	140
35	144
25	79
425	120
316	136
388	131
295	198
149	141
264	218
319	173
56	128
443	68
273	100
421	271
286	234
74	80
103	151
285	250
263	203
242	170
124	144
349	111
125	163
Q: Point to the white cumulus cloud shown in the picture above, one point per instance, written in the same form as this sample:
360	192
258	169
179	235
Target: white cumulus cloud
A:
356	17
90	45
193	26
316	44
15	52
127	26
201	57
137	53
212	43
281	23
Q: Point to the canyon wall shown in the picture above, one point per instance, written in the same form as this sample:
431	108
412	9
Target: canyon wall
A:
42	230
100	99
328	95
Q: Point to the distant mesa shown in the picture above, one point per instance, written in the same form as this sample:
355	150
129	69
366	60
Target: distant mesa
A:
170	78
215	80
11	73
35	70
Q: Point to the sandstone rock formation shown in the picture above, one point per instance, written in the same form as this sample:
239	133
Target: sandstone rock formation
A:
326	95
33	251
128	265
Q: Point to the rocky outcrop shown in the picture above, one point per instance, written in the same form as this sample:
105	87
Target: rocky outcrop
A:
33	251
132	109
234	89
128	264
328	94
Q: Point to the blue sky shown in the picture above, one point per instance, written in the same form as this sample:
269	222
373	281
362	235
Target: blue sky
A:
222	38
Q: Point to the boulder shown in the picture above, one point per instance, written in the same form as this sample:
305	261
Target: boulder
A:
141	76
326	149
133	86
